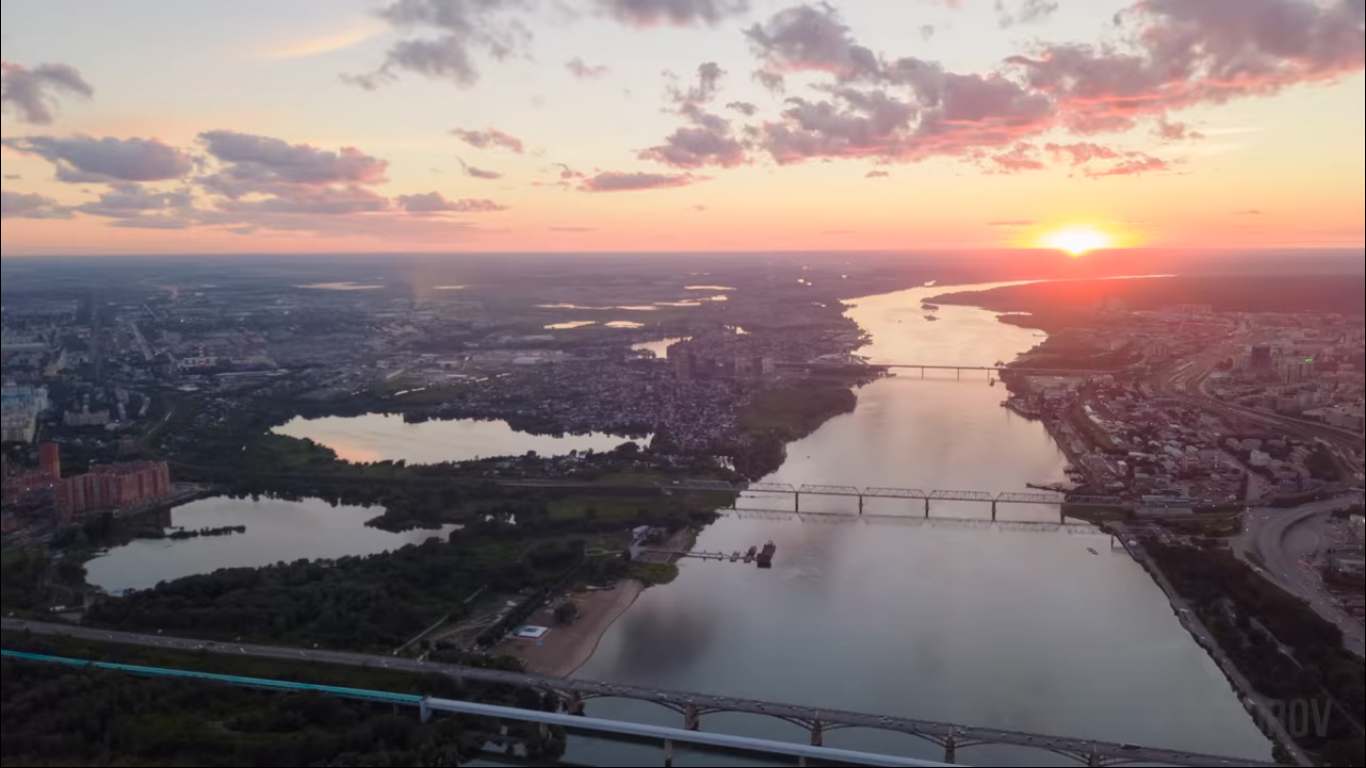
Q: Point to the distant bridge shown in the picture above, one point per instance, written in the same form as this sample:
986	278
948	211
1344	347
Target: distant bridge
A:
848	518
1047	498
922	367
692	706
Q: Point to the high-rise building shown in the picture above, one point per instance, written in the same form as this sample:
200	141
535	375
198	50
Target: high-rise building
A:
50	460
1261	358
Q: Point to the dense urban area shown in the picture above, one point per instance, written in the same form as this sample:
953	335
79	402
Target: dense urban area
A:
1196	431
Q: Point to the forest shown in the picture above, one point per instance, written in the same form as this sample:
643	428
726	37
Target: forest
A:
61	716
1253	620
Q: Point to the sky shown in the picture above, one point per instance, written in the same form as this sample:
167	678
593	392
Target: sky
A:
282	126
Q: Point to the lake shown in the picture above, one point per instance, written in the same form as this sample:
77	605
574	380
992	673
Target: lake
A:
276	531
385	437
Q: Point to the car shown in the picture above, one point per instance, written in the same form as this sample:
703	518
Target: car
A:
1129	747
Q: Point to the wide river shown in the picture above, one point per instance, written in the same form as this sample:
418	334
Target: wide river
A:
1034	630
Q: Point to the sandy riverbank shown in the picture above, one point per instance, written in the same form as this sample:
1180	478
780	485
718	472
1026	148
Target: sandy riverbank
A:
566	648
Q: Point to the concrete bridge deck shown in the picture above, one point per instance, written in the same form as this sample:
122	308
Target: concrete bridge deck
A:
817	721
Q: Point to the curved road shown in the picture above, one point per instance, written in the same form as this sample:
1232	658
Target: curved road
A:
1076	749
1269	534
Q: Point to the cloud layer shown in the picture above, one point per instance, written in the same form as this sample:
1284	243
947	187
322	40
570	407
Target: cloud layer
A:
33	93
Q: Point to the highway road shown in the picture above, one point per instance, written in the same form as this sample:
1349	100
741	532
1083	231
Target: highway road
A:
1281	539
962	736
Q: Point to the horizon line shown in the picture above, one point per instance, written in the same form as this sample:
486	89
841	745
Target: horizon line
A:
1100	252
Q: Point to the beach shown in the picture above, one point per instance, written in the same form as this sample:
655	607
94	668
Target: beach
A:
565	648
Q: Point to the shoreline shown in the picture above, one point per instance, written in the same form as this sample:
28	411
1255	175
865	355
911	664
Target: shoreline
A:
567	648
1253	702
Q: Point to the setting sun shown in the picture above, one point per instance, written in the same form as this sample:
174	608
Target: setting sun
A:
1077	242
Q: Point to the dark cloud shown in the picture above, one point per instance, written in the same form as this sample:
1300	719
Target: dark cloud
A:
772	81
127	200
807	39
927	32
1178	54
21	205
261	164
157	221
876	175
455	33
1012	224
311	200
743	107
583	71
435	202
614	181
1248	212
904	110
1173	131
708	143
480	173
489	138
1184	53
675	12
1024	11
708	140
450	39
33	93
13	177
85	160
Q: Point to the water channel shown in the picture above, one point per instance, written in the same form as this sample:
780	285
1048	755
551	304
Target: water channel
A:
277	531
1046	632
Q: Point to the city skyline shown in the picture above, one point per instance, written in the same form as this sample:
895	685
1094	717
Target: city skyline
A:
681	125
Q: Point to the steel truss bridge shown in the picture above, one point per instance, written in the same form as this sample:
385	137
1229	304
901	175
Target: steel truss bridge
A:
849	518
693	707
851	492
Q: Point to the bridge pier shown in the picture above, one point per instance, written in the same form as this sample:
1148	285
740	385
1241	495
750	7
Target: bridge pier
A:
668	753
817	734
424	712
575	705
927	509
950	750
797	502
993	519
960	374
860	506
693	718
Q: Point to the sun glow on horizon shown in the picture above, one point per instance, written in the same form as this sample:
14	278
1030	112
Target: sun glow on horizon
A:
1078	241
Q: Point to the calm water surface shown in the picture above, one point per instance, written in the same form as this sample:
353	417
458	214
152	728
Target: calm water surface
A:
383	437
276	531
946	621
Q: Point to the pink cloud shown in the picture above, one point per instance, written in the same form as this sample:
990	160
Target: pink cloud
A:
615	181
489	138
